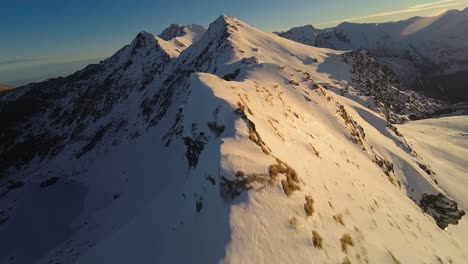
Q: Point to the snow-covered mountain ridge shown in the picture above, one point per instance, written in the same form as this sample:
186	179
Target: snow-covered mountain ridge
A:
433	47
242	147
307	35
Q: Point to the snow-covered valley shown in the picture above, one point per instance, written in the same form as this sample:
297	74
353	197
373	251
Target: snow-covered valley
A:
229	145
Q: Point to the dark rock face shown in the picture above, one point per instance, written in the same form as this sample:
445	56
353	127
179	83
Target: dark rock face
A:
232	188
231	76
375	79
216	128
194	148
199	204
443	209
195	145
49	182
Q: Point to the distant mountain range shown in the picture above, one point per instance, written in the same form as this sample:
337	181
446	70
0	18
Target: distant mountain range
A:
41	72
428	53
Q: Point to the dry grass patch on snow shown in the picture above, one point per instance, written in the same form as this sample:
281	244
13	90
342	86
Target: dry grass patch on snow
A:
339	219
275	169
314	149
291	183
317	240
289	186
346	241
346	261
309	205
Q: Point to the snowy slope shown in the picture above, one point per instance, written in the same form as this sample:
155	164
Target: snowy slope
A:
443	143
438	138
238	149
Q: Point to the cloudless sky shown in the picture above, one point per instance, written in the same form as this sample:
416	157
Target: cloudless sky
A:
38	32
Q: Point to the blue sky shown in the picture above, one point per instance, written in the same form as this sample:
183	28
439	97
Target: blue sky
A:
36	33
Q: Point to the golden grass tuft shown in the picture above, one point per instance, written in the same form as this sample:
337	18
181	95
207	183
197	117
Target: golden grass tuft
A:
317	240
309	205
339	219
346	261
346	241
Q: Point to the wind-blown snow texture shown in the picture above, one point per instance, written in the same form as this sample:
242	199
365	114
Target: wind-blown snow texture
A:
428	53
239	148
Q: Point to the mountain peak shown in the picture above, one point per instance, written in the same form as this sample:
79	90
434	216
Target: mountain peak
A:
224	26
306	34
182	36
143	37
145	49
305	27
302	30
173	31
227	40
225	18
144	40
224	21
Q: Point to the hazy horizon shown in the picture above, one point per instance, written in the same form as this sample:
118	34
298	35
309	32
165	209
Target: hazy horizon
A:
66	37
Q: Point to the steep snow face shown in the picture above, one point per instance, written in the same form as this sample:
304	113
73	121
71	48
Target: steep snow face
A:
443	144
244	147
435	139
47	117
